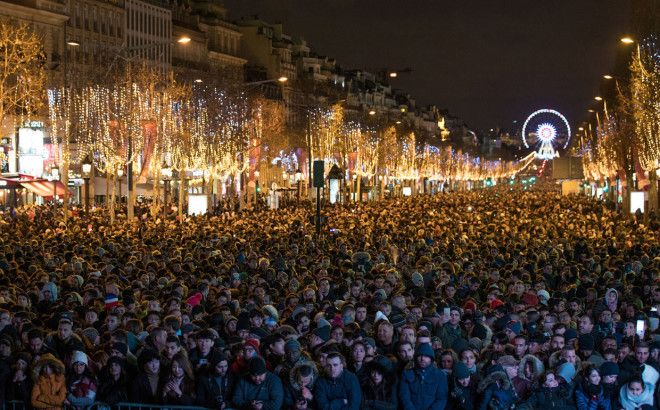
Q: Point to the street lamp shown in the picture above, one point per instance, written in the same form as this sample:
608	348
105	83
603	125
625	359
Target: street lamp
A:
256	186
166	173
55	175
120	174
608	77
598	98
627	40
298	177
184	40
86	173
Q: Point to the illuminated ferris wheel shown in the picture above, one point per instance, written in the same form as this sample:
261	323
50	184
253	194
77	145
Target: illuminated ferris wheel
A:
548	130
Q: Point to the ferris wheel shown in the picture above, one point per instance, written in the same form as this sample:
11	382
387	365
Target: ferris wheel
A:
549	130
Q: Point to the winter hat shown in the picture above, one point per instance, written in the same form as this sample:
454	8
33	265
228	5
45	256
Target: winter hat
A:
195	299
425	349
514	326
586	342
417	279
292	345
323	323
380	294
495	303
256	366
566	371
74	297
570	334
507	361
79	357
270	311
90	333
544	296
461	371
120	347
252	342
323	332
299	310
609	369
650	375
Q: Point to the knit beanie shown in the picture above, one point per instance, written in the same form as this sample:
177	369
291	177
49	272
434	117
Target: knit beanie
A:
461	371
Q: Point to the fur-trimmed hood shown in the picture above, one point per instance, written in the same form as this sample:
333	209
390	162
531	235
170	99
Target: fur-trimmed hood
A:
45	359
293	374
495	377
555	360
537	367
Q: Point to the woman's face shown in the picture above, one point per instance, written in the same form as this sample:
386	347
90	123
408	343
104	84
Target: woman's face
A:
79	367
358	353
115	369
635	389
447	362
594	377
177	369
551	381
376	377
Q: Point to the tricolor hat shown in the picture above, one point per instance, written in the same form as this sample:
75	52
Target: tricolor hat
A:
111	301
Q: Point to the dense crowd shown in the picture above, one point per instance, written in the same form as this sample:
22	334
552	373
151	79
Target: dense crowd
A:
492	299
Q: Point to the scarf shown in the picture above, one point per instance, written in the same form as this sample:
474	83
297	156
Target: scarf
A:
153	382
633	402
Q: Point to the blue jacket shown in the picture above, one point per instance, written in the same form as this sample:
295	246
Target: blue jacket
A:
270	392
423	389
331	393
599	402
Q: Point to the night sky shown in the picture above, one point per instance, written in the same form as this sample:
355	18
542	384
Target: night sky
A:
489	62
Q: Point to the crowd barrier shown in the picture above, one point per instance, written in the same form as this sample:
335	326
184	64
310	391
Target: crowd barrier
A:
19	405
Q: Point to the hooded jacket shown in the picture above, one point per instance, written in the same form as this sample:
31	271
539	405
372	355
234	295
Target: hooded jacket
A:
497	390
292	390
537	368
423	389
383	396
269	392
49	391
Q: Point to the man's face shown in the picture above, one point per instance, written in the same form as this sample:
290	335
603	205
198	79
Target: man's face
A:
569	356
204	345
608	343
454	317
64	330
36	344
406	352
585	325
423	361
91	317
642	354
334	367
521	346
278	347
221	368
606	317
171	349
258	379
361	314
408	335
324	287
112	322
385	333
557	343
153	366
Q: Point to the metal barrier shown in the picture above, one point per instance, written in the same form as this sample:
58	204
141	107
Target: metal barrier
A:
13	405
19	405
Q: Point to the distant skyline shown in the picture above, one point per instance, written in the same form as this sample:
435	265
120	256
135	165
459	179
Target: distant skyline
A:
489	62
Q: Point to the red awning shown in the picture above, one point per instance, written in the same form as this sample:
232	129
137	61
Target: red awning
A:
45	188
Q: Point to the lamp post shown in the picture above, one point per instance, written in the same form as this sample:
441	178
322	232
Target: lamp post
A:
86	173
55	175
298	178
166	173
120	175
256	186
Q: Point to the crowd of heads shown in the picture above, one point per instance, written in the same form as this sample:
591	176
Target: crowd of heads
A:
464	300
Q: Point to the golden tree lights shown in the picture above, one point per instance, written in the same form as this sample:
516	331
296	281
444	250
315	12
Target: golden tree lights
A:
645	101
22	77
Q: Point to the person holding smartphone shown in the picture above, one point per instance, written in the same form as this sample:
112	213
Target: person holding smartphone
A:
259	389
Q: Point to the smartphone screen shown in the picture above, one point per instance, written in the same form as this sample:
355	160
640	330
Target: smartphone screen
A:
640	329
447	311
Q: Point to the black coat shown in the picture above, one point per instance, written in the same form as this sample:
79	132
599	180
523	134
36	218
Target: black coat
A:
112	392
140	390
211	394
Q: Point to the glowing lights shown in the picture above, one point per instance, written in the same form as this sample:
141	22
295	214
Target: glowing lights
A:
546	132
598	98
283	79
627	40
184	40
608	77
